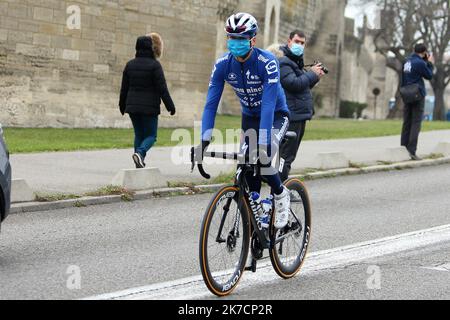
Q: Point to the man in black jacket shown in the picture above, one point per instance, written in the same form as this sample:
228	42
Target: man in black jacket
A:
143	87
297	84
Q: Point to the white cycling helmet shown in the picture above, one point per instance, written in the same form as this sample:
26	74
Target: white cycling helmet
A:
241	25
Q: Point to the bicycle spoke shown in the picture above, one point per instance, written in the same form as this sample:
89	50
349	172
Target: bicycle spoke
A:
224	256
290	243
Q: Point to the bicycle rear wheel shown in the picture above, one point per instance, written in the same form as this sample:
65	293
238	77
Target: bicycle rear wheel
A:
224	241
290	244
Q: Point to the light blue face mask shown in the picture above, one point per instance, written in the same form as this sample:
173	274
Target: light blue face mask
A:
239	47
297	49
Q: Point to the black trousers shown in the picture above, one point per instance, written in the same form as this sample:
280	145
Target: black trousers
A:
270	173
412	123
289	148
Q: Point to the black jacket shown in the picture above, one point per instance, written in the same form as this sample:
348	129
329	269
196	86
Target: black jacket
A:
143	83
297	84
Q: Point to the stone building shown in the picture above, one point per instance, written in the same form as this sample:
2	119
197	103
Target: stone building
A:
323	22
365	70
54	75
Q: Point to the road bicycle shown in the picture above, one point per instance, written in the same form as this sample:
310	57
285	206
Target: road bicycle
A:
231	228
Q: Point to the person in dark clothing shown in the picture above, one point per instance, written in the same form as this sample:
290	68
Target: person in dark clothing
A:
417	67
297	83
143	87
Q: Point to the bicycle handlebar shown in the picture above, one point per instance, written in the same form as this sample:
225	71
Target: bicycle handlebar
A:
213	154
227	156
203	172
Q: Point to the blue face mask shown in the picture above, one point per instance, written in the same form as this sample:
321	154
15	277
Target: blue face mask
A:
239	47
297	49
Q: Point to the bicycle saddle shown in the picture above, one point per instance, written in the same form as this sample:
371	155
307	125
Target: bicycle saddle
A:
290	135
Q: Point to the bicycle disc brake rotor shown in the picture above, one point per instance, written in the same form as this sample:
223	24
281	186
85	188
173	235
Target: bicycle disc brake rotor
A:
231	242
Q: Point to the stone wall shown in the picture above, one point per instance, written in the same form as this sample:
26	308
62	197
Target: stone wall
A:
51	76
327	47
317	18
304	15
363	71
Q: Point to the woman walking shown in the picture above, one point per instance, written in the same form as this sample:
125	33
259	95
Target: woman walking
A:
143	88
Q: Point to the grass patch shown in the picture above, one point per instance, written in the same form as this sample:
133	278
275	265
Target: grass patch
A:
27	140
180	184
434	156
305	171
224	178
385	163
125	194
356	165
127	197
79	204
55	197
327	129
108	191
192	189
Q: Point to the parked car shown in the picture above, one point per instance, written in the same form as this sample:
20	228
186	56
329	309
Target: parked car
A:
5	179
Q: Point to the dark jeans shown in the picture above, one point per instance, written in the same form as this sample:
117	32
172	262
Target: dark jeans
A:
289	148
145	132
412	123
271	174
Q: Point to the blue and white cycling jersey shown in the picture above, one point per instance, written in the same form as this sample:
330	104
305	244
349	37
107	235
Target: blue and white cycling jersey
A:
256	82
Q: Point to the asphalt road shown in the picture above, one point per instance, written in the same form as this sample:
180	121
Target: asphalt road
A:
126	245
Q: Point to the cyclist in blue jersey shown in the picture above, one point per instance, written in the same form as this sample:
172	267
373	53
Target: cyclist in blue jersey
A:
254	75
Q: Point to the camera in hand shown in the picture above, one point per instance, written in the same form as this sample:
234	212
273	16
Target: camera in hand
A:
320	64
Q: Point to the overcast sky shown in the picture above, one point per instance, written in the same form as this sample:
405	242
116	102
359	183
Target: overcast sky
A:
356	10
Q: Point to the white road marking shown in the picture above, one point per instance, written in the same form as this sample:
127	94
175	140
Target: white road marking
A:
441	267
194	287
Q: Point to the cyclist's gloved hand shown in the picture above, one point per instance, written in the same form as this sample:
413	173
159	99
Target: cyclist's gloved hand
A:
199	151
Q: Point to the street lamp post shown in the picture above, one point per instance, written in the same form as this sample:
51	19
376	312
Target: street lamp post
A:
376	92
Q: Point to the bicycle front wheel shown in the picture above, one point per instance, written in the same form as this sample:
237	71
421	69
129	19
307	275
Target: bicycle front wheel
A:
290	244
224	241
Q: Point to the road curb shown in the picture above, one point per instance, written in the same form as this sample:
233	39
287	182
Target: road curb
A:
29	207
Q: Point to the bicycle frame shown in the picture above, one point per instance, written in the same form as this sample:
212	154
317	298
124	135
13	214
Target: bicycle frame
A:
244	192
244	195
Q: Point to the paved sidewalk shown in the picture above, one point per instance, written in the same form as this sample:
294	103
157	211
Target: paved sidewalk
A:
78	172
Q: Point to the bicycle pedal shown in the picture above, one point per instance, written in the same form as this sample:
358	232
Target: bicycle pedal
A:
251	268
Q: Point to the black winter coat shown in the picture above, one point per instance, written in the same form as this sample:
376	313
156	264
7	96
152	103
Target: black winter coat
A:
297	84
143	83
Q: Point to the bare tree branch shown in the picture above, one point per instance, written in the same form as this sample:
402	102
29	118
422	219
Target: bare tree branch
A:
408	22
